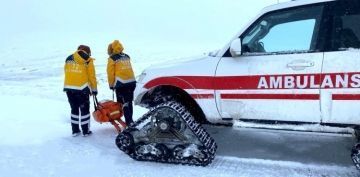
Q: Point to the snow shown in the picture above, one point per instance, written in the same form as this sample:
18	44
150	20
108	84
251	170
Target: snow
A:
35	134
35	142
36	139
304	127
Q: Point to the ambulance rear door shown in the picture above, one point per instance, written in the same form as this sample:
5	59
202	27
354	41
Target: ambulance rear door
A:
340	93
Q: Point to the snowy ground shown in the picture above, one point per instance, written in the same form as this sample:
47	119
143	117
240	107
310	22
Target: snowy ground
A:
35	135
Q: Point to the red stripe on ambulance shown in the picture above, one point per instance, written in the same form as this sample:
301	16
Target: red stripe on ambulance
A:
202	96
265	82
346	96
272	96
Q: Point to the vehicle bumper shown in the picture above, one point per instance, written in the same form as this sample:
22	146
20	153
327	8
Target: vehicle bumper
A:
139	92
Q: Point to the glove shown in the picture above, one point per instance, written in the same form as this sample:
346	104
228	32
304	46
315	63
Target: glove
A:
94	93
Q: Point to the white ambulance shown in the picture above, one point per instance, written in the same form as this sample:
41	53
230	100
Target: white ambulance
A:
296	62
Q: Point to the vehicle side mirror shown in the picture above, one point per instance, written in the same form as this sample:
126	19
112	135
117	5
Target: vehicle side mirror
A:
235	48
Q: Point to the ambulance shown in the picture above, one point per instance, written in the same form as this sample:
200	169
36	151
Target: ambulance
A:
296	63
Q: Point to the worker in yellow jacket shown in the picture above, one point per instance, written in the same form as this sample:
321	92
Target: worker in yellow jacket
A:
121	78
80	82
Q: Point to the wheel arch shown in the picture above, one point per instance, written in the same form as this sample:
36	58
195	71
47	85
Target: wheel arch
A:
163	93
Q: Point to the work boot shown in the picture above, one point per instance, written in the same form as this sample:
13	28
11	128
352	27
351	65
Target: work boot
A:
75	129
85	134
75	134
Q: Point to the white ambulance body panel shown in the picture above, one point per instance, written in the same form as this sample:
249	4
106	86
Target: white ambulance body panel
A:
195	77
265	87
289	68
341	99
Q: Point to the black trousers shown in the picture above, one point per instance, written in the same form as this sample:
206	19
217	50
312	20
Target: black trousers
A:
125	96
80	110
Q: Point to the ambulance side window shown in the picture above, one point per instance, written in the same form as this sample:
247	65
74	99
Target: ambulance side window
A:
285	31
346	25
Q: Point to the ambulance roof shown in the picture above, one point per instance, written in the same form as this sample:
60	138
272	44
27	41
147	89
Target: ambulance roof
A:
291	4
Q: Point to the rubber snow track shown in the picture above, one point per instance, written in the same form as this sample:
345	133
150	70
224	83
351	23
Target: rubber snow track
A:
125	140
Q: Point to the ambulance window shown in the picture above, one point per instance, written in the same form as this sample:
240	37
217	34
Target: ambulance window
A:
346	25
285	31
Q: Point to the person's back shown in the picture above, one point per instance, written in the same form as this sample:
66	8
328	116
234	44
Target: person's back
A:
123	71
121	78
79	83
79	73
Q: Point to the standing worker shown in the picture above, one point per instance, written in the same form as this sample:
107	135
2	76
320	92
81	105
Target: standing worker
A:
121	78
80	82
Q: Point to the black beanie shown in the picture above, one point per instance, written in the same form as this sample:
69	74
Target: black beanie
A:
85	49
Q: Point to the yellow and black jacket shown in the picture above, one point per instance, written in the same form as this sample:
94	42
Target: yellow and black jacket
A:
119	68
80	73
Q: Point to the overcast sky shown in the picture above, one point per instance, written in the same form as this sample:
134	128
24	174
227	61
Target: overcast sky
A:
72	21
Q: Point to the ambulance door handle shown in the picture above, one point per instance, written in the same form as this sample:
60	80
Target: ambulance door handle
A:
300	65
